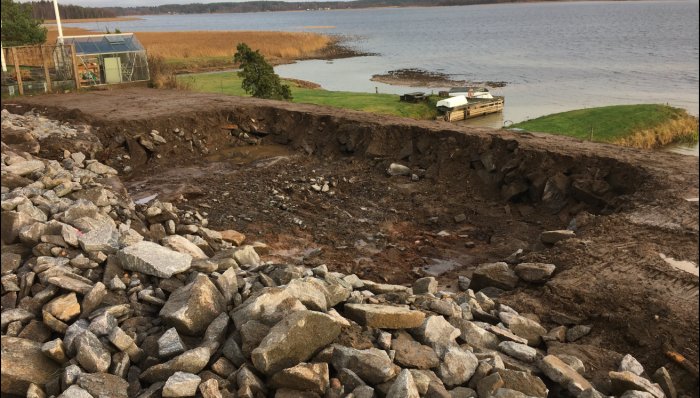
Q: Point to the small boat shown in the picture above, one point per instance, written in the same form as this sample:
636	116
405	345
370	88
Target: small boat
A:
471	92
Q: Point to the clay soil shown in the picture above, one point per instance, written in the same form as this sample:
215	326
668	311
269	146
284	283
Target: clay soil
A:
261	160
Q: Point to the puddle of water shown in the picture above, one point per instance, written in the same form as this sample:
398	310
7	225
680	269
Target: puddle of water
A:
250	153
687	266
438	266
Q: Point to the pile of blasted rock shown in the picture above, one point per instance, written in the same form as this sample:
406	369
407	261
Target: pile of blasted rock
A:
104	298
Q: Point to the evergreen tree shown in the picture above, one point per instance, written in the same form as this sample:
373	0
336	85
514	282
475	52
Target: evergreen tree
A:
259	79
18	26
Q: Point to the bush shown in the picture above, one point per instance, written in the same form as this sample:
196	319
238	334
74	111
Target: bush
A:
162	75
18	26
259	79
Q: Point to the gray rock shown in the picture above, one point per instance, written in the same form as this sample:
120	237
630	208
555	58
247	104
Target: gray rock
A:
309	293
55	350
636	394
396	169
372	365
24	168
630	364
412	354
210	389
182	245
64	308
22	364
427	285
576	332
192	361
363	392
403	387
252	333
488	385
247	257
181	384
295	339
552	237
457	366
104	239
625	381
153	259
575	363
312	377
75	392
92	355
103	385
518	351
524	327
524	382
436	330
268	305
559	372
384	316
535	272
494	275
93	299
474	335
663	379
191	308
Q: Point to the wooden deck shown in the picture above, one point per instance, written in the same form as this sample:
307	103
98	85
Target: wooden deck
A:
476	107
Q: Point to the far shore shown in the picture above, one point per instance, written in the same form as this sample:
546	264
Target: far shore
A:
415	77
86	20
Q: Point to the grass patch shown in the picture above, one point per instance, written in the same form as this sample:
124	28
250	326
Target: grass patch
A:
385	104
641	126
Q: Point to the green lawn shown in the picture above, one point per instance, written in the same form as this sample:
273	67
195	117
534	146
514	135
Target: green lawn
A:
608	123
386	104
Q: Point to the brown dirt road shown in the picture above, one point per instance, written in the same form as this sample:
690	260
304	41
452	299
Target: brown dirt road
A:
258	176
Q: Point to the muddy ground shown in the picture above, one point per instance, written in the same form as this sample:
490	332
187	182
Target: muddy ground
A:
478	195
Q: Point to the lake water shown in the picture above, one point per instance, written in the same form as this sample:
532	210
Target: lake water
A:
554	56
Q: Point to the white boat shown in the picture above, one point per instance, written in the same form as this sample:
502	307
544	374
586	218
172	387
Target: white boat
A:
452	103
471	92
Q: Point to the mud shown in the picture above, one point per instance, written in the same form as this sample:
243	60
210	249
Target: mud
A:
415	77
252	165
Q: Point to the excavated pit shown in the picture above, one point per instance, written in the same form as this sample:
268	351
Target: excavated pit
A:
473	196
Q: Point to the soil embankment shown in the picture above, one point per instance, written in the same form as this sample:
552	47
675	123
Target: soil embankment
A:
312	183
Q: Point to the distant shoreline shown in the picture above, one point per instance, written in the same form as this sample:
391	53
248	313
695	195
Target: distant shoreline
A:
88	20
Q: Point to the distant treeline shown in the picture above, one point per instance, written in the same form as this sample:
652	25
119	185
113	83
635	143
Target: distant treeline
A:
44	9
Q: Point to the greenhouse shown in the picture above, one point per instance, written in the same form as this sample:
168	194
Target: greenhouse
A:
109	59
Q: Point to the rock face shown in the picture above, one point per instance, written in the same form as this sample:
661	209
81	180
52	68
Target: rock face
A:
153	259
295	339
191	308
384	316
23	363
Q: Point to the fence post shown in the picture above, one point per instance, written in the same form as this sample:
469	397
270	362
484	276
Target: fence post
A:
74	61
18	73
46	68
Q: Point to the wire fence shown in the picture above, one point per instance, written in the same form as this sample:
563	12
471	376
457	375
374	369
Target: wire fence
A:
38	69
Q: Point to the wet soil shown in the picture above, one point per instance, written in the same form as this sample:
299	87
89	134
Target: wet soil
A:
478	195
415	77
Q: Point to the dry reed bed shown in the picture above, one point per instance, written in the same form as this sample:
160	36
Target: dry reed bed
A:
275	46
684	129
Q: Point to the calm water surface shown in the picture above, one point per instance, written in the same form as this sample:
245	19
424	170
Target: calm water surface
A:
554	56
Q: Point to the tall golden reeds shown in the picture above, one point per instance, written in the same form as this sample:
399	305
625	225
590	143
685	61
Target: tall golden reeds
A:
682	129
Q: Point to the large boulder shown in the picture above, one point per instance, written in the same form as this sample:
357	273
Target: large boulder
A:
295	339
153	259
384	316
191	308
23	363
493	275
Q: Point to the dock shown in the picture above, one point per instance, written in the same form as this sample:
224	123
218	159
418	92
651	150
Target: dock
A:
475	107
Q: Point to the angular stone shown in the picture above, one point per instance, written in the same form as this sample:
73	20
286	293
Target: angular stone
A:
403	387
535	272
412	354
436	330
296	338
636	394
23	363
518	351
64	308
624	381
524	327
384	316
630	364
494	275
75	392
93	299
192	361
247	257
396	169
181	245
552	237
371	365
488	385
104	238
313	377
181	384
24	168
103	385
559	372
663	379
252	333
576	332
153	259
14	315
427	285
191	308
457	366
55	350
232	236
475	335
210	389
92	355
506	335
309	293
268	305
524	382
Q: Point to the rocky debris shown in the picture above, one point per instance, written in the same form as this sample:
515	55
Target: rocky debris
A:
105	297
552	237
396	169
